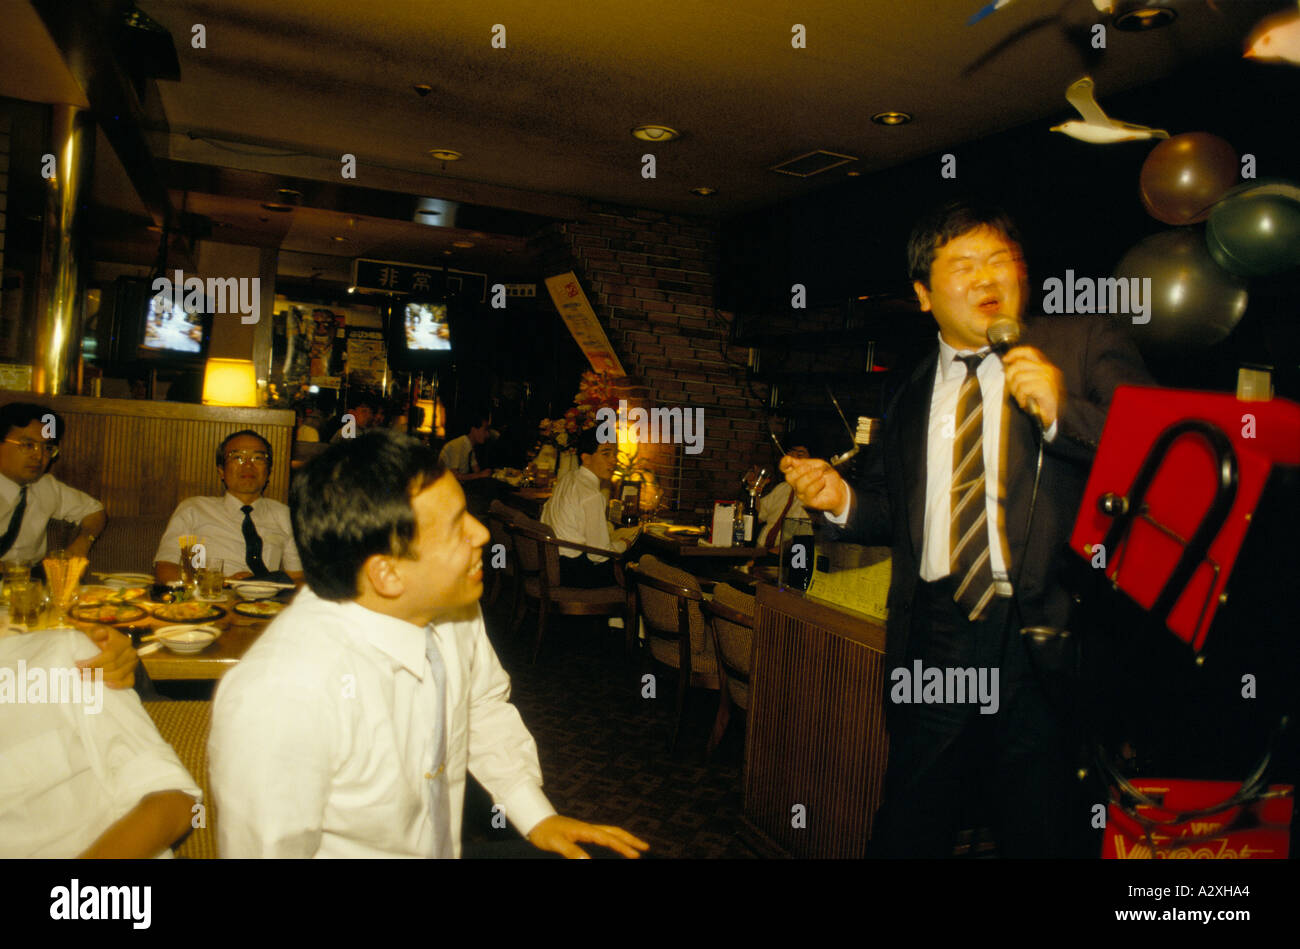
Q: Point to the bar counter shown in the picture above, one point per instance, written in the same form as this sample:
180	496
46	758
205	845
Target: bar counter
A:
816	732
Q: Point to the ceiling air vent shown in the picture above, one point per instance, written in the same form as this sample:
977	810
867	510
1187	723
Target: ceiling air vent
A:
813	163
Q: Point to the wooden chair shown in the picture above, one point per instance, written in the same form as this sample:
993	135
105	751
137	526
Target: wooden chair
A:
499	518
669	602
537	553
731	616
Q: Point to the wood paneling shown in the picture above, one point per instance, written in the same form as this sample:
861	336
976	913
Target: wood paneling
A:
816	726
142	458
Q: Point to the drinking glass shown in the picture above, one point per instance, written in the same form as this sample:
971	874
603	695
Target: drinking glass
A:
26	603
211	579
188	573
19	572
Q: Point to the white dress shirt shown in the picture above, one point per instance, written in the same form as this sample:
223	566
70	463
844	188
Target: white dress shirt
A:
67	773
219	525
47	498
322	742
936	563
576	512
458	456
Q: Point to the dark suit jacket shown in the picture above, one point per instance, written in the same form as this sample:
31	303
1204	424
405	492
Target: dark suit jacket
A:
889	503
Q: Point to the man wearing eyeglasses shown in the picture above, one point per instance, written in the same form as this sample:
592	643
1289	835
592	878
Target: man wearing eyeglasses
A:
29	497
251	534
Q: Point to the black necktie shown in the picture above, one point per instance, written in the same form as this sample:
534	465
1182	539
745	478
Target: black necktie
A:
15	522
968	548
252	544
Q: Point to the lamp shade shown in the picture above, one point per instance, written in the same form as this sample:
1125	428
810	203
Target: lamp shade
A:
230	382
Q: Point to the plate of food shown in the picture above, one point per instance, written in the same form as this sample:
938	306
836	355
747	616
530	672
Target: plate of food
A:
110	614
98	596
190	611
260	609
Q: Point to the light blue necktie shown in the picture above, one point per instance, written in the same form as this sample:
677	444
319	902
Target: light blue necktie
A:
440	807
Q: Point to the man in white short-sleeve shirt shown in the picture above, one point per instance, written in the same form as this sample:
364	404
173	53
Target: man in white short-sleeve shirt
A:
29	496
349	726
223	524
83	770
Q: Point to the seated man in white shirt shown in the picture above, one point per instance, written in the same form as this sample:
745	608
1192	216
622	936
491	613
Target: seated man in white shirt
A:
576	512
251	534
460	455
29	496
85	772
349	726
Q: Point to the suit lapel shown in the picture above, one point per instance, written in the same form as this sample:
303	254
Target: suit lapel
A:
913	431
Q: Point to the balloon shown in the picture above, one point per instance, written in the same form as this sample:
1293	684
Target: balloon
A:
1255	230
1184	176
1193	302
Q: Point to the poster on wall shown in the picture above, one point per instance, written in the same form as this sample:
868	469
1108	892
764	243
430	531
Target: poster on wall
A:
580	318
328	347
366	359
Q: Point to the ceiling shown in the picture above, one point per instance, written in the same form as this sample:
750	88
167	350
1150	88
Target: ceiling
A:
283	90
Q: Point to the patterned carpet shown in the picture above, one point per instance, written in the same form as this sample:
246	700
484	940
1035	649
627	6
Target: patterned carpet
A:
604	748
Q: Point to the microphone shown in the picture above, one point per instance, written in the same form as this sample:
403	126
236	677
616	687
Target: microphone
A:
1004	333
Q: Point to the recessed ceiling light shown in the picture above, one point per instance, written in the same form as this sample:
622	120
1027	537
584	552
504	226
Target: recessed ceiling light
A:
704	191
277	208
852	174
1139	17
655	133
338	237
445	154
350	290
892	118
288	195
464	245
422	89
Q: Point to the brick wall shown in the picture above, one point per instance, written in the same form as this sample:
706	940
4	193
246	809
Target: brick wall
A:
650	278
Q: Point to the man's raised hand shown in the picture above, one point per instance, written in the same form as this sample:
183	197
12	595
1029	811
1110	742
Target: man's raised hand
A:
816	484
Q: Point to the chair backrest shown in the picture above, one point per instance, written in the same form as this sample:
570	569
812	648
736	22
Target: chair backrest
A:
731	613
670	599
185	726
498	524
534	556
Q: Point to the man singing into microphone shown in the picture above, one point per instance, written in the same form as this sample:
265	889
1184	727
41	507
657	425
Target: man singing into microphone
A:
952	492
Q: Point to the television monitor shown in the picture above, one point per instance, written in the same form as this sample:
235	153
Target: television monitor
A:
172	329
427	327
421	334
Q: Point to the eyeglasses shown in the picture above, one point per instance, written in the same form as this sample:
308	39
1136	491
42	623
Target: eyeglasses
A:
35	448
258	458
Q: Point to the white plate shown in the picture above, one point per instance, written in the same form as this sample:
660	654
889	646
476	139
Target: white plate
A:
123	580
250	590
187	640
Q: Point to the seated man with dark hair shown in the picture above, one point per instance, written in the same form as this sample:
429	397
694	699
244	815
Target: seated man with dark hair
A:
378	683
85	772
576	512
30	498
460	455
250	533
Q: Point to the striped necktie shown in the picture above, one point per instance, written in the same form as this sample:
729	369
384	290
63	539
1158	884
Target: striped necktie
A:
968	547
440	808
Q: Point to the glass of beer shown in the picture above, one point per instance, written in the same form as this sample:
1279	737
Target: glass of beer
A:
19	572
189	574
26	603
211	578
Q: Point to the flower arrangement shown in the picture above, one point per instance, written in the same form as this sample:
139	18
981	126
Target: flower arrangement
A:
593	395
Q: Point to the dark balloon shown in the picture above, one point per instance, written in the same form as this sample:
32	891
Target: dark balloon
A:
1255	230
1184	176
1193	302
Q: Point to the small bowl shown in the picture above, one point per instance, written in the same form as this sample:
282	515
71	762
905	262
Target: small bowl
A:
255	591
187	640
